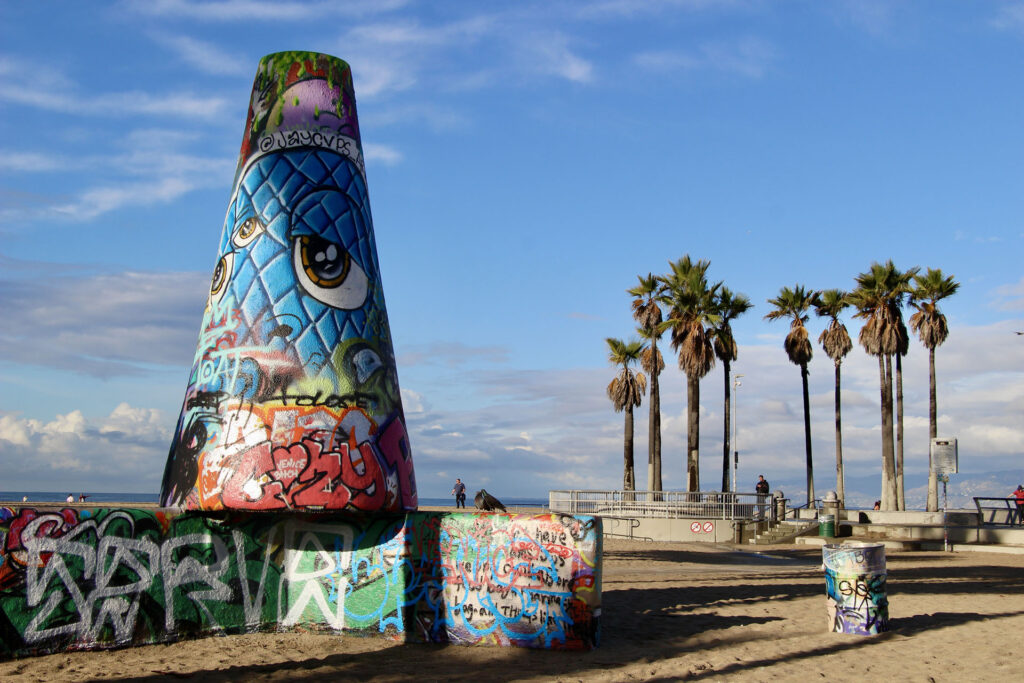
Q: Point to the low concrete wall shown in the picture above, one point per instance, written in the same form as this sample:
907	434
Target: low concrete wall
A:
686	530
952	517
924	532
100	578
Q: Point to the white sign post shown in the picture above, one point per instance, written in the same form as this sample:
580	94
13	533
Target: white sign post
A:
945	461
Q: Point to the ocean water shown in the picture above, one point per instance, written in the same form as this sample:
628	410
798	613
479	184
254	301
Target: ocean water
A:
61	496
508	502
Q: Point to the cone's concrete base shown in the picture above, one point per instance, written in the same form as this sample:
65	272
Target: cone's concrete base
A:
73	579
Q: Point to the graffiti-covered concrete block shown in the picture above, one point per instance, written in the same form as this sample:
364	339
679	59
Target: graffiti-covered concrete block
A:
100	578
855	588
293	400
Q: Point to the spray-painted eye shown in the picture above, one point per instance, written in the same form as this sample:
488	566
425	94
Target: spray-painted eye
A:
221	276
249	230
328	273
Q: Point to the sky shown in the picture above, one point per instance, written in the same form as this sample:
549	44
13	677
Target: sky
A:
525	162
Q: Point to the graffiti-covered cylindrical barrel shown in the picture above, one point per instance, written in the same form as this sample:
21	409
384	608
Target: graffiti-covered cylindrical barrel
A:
293	399
855	588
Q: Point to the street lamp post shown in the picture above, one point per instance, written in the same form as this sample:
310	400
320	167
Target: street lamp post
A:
736	384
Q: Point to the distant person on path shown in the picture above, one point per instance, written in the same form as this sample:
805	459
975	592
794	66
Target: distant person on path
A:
71	498
460	493
878	505
1019	495
762	489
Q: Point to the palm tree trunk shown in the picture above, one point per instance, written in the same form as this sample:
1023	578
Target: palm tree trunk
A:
627	453
888	457
840	479
728	425
807	434
933	479
692	433
656	400
900	501
654	435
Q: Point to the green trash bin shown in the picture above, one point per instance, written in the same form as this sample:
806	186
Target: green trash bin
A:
827	525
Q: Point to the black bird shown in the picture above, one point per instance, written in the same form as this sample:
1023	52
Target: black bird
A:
485	501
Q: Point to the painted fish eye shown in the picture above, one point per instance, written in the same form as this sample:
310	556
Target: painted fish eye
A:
325	262
221	276
247	232
327	271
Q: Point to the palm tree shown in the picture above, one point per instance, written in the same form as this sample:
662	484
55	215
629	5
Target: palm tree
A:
794	303
691	302
729	306
647	313
877	299
902	288
626	390
836	342
930	325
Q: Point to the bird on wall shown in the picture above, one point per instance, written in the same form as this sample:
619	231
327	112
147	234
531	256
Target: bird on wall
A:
487	502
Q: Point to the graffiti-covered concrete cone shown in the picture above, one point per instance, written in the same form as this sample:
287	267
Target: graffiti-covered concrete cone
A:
293	398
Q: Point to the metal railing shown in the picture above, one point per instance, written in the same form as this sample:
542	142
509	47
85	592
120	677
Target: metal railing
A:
794	511
663	504
997	510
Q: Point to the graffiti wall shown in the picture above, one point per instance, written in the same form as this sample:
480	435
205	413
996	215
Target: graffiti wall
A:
87	579
293	400
855	588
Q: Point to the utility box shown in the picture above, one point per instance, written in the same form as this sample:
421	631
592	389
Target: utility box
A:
944	456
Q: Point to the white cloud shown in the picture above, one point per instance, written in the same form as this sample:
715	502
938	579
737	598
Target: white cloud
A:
50	90
875	17
116	104
451	354
391	57
747	57
100	200
630	8
389	156
549	53
150	170
30	162
1009	17
1010	297
102	325
206	57
124	451
258	10
437	117
412	402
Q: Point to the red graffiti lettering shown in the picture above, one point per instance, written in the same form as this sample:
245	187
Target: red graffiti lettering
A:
394	446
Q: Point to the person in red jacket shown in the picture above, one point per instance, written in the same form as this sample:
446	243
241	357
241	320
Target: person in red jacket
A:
1019	495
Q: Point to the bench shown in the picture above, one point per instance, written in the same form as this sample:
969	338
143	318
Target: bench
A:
997	511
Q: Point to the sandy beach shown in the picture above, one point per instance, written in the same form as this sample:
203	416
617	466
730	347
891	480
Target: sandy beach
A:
671	612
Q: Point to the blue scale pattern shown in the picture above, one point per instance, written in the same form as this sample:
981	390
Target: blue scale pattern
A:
264	284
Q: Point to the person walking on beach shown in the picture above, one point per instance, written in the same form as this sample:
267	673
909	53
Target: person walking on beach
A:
459	490
1019	495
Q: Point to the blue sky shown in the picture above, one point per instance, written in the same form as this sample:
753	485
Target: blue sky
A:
525	161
